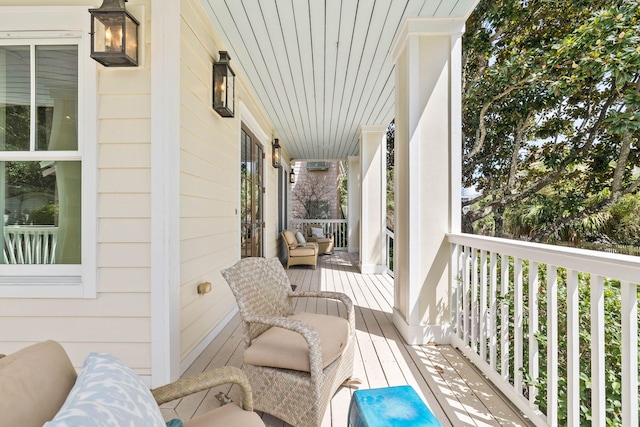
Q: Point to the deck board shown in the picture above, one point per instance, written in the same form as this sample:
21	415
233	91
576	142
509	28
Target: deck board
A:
456	393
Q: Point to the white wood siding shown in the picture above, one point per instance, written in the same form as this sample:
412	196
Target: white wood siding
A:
118	320
210	184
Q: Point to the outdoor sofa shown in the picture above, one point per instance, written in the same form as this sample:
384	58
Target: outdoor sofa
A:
39	387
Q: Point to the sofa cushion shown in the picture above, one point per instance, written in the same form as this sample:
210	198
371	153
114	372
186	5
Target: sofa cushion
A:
230	415
282	348
108	393
34	383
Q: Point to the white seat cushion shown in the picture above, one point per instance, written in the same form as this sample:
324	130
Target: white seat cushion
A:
282	348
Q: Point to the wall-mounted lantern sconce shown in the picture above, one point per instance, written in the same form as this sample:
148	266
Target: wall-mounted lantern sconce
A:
223	86
292	177
275	153
114	35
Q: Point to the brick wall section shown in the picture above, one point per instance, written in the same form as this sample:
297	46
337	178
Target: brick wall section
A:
315	184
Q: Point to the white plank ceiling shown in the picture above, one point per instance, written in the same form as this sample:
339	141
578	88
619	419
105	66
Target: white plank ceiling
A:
321	68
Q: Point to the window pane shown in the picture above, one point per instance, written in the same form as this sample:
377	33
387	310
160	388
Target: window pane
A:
15	98
42	215
57	98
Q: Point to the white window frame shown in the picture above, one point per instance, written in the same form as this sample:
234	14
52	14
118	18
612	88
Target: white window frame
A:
59	25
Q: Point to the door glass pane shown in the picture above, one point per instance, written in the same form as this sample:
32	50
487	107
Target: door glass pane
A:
15	98
57	98
42	212
251	196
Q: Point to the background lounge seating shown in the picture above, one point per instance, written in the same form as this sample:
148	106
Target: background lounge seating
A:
300	253
325	244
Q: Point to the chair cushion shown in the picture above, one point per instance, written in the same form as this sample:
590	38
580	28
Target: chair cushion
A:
303	251
290	238
108	393
282	348
34	382
300	238
230	415
318	232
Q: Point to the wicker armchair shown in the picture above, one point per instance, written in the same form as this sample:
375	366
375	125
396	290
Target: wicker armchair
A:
299	253
227	415
295	362
325	243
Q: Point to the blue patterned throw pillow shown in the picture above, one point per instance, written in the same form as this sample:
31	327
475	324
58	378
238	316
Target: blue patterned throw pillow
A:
108	393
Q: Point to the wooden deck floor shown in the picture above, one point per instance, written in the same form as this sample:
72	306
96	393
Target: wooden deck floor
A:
453	390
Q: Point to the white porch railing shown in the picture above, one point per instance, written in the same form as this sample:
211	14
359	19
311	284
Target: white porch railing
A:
337	227
30	244
502	292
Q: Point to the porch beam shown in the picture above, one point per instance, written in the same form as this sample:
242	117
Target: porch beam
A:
428	74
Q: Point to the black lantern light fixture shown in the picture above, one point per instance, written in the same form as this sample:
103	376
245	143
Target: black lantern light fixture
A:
275	153
223	86
292	177
114	35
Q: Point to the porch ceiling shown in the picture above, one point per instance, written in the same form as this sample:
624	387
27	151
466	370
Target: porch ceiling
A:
321	69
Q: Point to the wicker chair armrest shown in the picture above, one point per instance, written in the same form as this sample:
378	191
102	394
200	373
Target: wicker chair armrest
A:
343	298
205	381
303	328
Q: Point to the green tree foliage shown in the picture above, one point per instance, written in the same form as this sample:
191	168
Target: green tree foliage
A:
551	114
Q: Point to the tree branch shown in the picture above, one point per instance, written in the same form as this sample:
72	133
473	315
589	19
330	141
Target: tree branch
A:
483	129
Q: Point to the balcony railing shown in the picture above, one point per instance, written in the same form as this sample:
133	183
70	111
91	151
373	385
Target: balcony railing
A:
528	314
337	227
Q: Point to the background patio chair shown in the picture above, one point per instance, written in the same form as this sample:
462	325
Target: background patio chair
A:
325	241
300	253
294	362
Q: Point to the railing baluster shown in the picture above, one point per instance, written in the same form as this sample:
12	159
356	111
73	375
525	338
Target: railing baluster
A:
518	332
629	295
474	299
483	305
493	310
534	367
465	295
552	345
573	350
455	288
598	399
504	321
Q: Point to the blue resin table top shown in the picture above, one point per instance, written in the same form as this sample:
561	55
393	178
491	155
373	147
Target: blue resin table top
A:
390	407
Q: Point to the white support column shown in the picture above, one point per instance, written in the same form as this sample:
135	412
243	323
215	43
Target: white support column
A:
373	199
353	200
427	55
165	193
